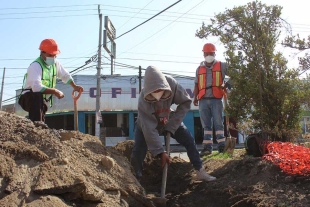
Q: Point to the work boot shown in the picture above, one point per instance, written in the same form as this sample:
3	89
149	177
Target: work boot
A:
203	176
221	147
205	152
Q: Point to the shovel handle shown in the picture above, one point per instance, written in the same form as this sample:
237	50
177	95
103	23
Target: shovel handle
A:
165	171
224	91
75	98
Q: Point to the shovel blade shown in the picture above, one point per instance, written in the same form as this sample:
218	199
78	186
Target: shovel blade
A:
159	201
230	145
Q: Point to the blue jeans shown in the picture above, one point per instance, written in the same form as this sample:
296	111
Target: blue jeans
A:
211	109
182	136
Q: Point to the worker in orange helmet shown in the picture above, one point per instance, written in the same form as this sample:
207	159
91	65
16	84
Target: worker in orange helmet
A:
208	91
40	81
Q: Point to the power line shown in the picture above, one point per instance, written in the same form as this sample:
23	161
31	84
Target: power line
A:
164	20
161	15
169	12
46	12
162	28
74	15
165	55
22	18
135	14
168	61
42	7
149	18
19	68
22	59
105	5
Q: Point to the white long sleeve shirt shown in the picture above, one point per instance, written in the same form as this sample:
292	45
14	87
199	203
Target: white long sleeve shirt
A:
34	77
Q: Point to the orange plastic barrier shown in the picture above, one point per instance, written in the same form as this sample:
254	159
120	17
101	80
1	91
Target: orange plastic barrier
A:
292	159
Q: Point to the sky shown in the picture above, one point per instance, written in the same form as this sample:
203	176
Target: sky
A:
168	41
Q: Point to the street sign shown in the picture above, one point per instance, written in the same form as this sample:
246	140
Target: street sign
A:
108	44
109	27
109	34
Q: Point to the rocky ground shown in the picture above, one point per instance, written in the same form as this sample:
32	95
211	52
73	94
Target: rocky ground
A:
46	167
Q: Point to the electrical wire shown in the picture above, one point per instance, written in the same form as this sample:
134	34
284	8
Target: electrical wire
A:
22	59
44	17
48	7
135	15
162	28
105	5
46	12
166	61
149	19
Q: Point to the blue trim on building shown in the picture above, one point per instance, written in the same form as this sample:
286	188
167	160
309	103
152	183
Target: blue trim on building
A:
131	125
189	122
196	114
81	121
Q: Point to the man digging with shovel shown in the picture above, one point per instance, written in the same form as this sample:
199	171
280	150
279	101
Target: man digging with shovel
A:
155	117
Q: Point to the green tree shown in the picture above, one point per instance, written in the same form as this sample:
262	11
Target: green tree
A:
264	88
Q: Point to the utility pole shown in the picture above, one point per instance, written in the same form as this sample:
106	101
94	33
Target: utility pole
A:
98	91
140	78
2	89
111	63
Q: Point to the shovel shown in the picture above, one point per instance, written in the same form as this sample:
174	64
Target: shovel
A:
230	141
75	98
161	201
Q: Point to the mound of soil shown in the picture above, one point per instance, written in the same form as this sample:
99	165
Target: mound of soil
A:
241	182
46	167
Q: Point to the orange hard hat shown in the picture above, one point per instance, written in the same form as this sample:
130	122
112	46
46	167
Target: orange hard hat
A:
49	46
209	47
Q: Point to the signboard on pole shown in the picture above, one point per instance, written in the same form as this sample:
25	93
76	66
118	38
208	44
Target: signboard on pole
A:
109	34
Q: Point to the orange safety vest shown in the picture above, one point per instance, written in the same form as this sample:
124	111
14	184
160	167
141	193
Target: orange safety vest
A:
217	80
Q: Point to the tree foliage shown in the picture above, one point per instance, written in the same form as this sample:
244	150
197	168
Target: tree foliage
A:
300	44
264	88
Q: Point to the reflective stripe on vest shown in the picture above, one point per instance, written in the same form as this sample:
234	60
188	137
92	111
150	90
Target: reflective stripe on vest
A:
217	80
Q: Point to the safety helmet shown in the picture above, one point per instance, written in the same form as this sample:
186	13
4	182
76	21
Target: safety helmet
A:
209	47
49	46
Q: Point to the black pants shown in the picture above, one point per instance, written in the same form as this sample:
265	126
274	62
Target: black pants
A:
34	103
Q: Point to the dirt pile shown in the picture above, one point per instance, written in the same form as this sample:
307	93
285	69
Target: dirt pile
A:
242	182
46	167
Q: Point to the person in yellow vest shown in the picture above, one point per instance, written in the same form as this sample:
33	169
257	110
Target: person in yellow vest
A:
40	81
209	82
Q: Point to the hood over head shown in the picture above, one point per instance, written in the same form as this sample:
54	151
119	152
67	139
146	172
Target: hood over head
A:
154	80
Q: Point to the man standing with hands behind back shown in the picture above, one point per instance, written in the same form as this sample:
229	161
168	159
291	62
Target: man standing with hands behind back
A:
209	83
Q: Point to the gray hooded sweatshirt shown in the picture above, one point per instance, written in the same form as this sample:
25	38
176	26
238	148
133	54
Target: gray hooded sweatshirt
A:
154	116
